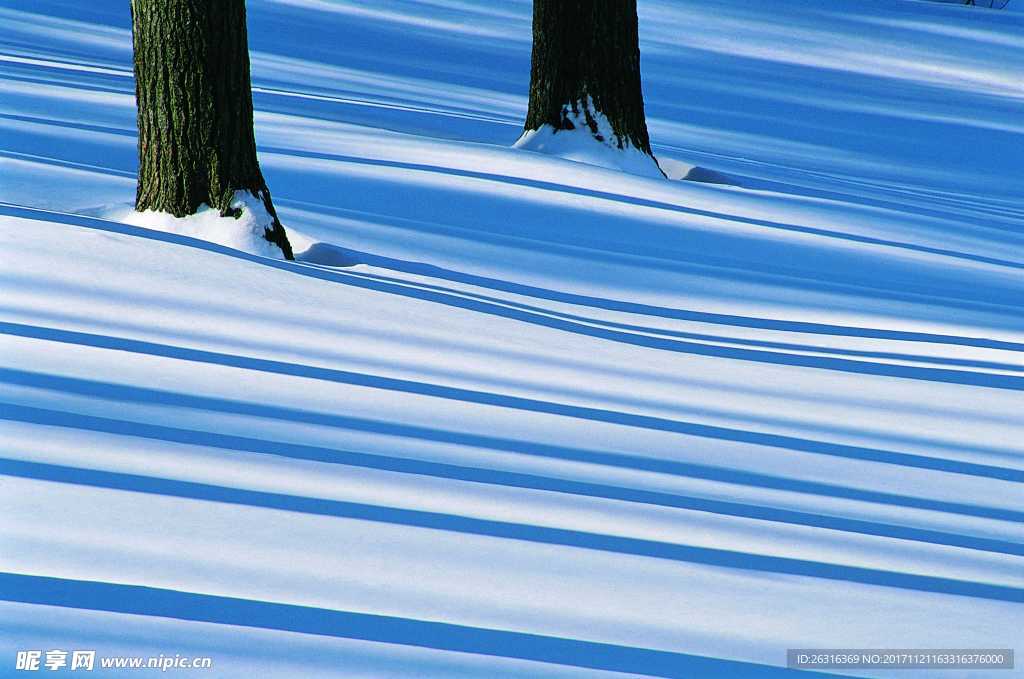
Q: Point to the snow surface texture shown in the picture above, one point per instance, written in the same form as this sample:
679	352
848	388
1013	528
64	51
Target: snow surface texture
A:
512	415
584	145
247	232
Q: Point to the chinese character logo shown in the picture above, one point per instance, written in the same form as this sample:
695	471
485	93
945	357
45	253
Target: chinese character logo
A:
28	660
83	660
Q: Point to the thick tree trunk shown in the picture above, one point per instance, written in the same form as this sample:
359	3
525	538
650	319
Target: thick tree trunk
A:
196	142
586	53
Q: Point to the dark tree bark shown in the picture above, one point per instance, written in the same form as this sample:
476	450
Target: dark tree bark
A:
196	142
587	50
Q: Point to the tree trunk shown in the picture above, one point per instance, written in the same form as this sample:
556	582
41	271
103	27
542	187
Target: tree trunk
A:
586	53
196	142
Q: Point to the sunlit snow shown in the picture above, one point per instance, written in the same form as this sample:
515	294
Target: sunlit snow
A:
246	232
508	413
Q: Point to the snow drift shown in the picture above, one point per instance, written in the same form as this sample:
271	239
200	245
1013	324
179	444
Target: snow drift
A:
246	232
593	145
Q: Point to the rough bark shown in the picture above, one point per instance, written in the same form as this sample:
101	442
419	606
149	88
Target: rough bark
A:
196	142
587	50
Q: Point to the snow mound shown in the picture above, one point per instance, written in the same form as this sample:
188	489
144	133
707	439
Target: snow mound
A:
325	254
679	171
581	145
245	232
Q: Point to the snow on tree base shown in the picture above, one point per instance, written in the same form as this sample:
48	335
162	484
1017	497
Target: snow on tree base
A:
245	232
584	146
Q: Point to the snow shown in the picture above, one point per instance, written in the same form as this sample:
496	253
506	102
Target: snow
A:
595	147
519	413
246	232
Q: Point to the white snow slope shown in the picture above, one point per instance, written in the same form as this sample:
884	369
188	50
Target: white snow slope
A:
512	415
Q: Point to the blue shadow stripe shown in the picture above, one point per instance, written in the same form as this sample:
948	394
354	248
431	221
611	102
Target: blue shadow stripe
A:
382	262
650	203
433	271
507	530
513	402
520	480
134	394
943	375
636	308
166	603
